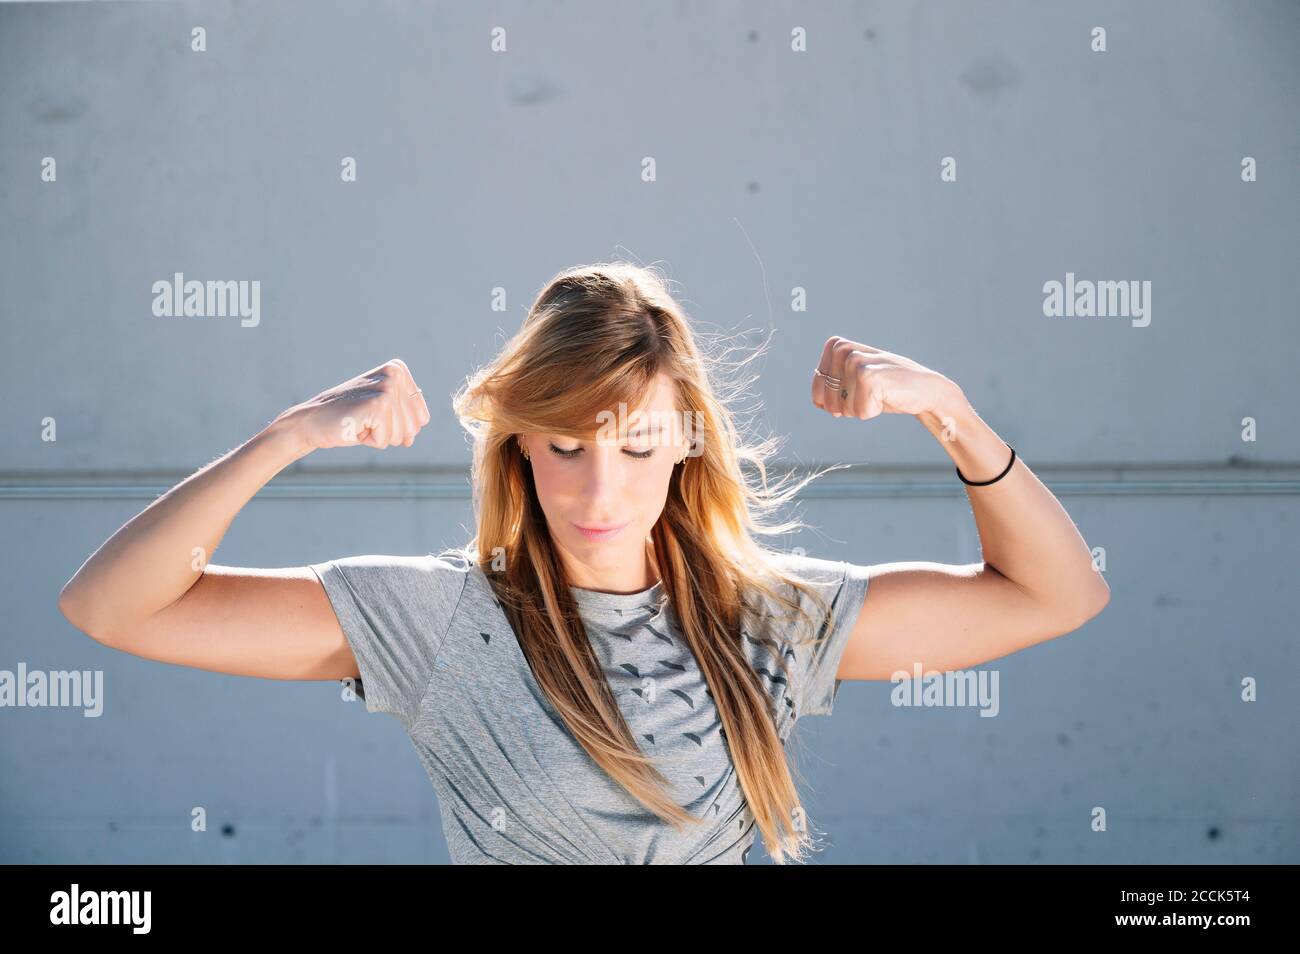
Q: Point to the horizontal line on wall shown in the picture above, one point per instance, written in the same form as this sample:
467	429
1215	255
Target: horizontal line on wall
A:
818	490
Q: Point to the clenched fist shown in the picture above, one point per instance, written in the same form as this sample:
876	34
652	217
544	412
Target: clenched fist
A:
853	379
380	408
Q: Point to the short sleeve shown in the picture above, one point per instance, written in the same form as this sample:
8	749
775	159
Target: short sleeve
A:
813	665
394	611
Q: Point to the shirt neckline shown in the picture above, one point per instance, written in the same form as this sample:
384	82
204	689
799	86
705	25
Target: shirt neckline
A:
598	602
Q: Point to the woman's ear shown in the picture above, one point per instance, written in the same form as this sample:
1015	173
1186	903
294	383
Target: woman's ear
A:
687	445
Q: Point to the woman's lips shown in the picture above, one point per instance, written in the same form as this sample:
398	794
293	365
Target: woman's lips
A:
595	534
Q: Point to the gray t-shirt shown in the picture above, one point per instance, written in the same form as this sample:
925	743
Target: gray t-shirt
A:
434	649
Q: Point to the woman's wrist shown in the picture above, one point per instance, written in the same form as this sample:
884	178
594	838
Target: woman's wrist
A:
948	415
974	448
283	441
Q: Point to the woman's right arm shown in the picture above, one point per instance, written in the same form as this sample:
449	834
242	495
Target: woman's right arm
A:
149	589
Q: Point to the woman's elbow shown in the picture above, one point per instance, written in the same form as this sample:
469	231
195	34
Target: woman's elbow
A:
75	612
1096	601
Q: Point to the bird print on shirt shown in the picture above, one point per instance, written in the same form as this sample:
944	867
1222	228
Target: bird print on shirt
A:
637	645
776	679
630	648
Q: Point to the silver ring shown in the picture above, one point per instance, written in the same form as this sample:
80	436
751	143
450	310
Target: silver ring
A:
415	392
829	381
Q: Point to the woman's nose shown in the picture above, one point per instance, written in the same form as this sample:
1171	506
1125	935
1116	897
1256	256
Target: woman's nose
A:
604	479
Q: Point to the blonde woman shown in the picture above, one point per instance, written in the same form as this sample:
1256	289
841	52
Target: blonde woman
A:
608	671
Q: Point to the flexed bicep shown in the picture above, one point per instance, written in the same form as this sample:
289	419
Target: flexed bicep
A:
942	617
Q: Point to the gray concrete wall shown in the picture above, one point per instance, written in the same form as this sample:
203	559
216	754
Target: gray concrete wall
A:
775	170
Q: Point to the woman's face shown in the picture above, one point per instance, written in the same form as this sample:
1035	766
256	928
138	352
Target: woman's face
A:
603	496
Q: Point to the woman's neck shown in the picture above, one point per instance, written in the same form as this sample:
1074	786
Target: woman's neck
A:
617	580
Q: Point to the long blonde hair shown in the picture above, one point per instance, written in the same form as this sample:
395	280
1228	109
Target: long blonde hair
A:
598	335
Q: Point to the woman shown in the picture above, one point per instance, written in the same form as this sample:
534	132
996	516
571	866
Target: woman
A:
608	671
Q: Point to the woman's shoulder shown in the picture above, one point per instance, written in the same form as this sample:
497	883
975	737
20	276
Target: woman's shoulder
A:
440	576
817	581
811	575
811	568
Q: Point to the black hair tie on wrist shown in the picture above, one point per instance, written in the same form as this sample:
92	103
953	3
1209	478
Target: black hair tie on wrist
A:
985	483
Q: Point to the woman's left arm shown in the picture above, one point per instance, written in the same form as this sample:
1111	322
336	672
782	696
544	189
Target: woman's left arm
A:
1037	579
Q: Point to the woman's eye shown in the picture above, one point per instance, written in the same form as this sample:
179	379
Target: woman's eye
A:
637	455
